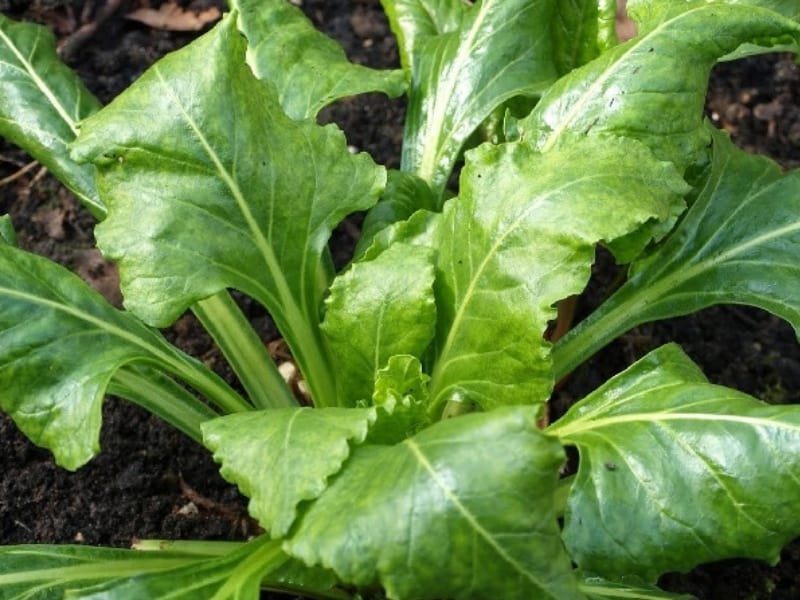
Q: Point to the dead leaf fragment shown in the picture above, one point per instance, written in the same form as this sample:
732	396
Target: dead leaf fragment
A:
172	17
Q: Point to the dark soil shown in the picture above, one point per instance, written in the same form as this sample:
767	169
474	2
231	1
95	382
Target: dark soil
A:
151	482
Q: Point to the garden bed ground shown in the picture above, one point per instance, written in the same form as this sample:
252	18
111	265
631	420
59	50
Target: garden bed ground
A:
151	482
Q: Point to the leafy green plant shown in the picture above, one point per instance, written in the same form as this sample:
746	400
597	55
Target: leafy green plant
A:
422	471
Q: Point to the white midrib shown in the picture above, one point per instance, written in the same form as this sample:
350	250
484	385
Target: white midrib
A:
471	519
577	427
427	165
43	87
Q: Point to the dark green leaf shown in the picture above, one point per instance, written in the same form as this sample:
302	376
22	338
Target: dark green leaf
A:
675	471
42	103
246	199
308	69
664	71
281	457
462	510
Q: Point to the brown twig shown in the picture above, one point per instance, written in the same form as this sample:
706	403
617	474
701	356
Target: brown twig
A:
77	38
19	173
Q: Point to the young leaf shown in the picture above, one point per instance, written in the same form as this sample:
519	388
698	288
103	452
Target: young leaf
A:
281	457
500	49
675	471
738	243
520	237
308	69
246	199
401	394
663	71
60	344
41	104
375	310
462	510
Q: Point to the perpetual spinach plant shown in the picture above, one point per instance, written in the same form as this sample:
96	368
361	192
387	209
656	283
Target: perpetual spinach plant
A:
422	470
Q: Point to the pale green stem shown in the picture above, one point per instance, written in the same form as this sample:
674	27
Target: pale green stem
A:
244	350
160	395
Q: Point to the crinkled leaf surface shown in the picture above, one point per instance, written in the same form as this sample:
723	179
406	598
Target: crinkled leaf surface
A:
60	344
500	49
462	510
675	471
41	104
281	457
210	185
308	69
375	310
401	394
738	243
664	71
520	237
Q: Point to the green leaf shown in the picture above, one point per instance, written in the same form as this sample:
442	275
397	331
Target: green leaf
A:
375	310
675	471
401	393
309	69
49	572
60	344
41	104
519	238
500	49
282	457
576	33
649	14
246	199
596	588
404	195
233	576
462	510
738	243
7	233
663	71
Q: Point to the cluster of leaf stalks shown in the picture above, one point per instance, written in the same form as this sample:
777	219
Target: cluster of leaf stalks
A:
421	471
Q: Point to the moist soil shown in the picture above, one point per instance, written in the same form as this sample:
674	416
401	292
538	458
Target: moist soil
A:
151	482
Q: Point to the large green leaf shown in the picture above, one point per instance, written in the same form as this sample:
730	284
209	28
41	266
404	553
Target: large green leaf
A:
42	103
675	471
281	457
308	69
464	509
664	72
738	243
60	344
375	310
210	185
520	237
500	49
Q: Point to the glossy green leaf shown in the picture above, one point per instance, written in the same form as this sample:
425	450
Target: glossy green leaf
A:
462	510
43	572
281	457
42	103
649	14
247	199
675	471
653	87
404	195
401	394
576	32
596	588
375	310
233	576
500	49
308	69
520	237
738	243
60	344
